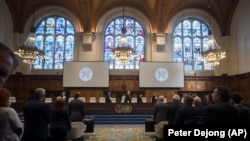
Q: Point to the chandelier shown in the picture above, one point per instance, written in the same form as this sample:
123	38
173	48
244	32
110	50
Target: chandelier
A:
28	51
123	53
214	54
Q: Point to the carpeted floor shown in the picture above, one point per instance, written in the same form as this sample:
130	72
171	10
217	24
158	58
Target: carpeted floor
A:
119	132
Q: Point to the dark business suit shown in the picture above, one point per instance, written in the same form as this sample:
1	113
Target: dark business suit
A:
172	108
127	98
160	112
154	99
108	99
139	99
76	110
186	113
37	116
222	113
60	125
244	113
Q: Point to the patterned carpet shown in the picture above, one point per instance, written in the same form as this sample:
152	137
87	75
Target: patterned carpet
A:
119	132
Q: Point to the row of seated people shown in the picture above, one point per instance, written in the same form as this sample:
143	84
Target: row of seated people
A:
94	100
101	100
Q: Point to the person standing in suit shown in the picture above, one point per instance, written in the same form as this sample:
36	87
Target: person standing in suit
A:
8	63
108	98
160	110
11	128
221	112
173	107
244	111
63	95
186	113
60	123
154	97
197	103
37	116
127	97
139	98
76	108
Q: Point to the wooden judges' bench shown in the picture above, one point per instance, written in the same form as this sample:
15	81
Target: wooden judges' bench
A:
109	108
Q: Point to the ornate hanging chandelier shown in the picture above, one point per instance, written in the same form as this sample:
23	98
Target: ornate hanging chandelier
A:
214	54
28	51
123	53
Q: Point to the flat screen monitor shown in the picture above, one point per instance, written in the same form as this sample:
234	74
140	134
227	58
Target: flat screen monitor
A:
161	75
86	74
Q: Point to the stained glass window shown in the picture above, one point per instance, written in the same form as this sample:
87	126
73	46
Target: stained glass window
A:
55	36
190	40
135	36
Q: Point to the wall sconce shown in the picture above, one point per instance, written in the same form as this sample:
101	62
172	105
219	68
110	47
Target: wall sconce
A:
160	40
87	40
154	37
93	36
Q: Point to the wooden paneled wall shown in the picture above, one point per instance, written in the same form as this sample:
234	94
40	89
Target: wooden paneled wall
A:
22	85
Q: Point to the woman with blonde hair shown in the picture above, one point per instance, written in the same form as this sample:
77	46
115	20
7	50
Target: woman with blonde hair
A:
11	128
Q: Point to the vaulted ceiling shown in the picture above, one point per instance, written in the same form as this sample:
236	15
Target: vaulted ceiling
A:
157	11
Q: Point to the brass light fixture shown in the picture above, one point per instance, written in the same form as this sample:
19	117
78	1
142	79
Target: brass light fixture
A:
214	54
28	51
123	53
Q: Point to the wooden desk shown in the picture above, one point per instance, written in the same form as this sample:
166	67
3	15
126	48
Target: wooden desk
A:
119	108
109	108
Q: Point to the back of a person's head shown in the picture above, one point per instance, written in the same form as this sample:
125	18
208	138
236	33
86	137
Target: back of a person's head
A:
4	97
224	93
188	100
77	95
59	103
196	100
39	93
161	98
237	98
176	98
5	51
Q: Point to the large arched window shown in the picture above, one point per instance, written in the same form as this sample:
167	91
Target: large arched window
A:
135	36
55	36
190	40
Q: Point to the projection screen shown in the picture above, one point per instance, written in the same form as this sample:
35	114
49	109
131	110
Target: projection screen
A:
161	75
86	74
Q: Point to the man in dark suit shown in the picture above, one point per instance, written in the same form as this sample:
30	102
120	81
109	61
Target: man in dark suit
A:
244	111
37	116
127	97
154	97
221	112
139	98
108	98
160	110
186	113
76	109
173	107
